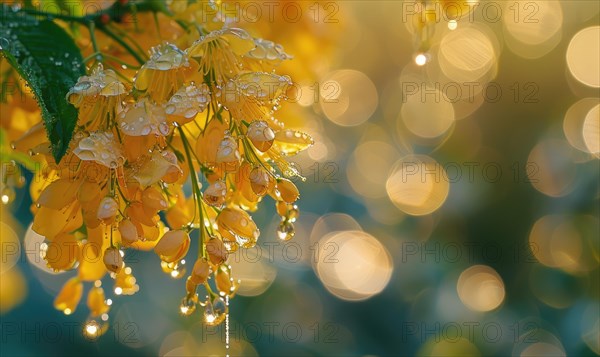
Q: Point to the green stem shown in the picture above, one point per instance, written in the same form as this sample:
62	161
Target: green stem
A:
91	28
195	191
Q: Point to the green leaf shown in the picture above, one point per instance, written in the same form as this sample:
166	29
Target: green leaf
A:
50	62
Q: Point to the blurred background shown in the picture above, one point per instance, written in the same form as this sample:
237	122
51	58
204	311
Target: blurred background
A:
450	205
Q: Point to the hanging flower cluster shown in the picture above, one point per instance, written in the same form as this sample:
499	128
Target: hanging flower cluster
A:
192	143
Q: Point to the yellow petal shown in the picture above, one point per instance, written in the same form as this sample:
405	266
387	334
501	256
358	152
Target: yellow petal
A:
91	266
96	302
288	191
59	193
290	142
63	252
200	272
69	296
216	251
208	143
50	222
173	246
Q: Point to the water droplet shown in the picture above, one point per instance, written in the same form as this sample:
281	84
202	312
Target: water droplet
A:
94	328
4	43
188	305
215	312
285	231
176	270
170	109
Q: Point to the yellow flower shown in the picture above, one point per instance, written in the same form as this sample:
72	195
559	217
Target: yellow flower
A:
159	165
69	296
236	223
182	211
214	195
91	265
287	190
96	302
225	283
291	142
143	118
50	222
207	144
164	73
221	51
113	261
261	181
173	246
125	282
100	147
107	209
261	135
98	97
200	272
216	251
267	54
63	252
228	153
154	199
129	232
187	103
254	95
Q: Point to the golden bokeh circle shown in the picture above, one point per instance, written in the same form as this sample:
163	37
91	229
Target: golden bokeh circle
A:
353	265
480	288
348	97
417	185
583	56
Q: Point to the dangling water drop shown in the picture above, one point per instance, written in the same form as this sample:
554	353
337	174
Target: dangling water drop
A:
176	270
95	328
285	231
215	312
188	305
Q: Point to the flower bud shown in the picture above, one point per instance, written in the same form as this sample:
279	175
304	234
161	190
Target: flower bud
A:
260	181
200	272
224	282
190	286
153	198
239	224
173	246
214	195
288	191
261	135
107	210
113	259
217	253
129	233
282	208
228	151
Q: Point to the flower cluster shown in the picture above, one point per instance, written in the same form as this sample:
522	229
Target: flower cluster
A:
191	143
